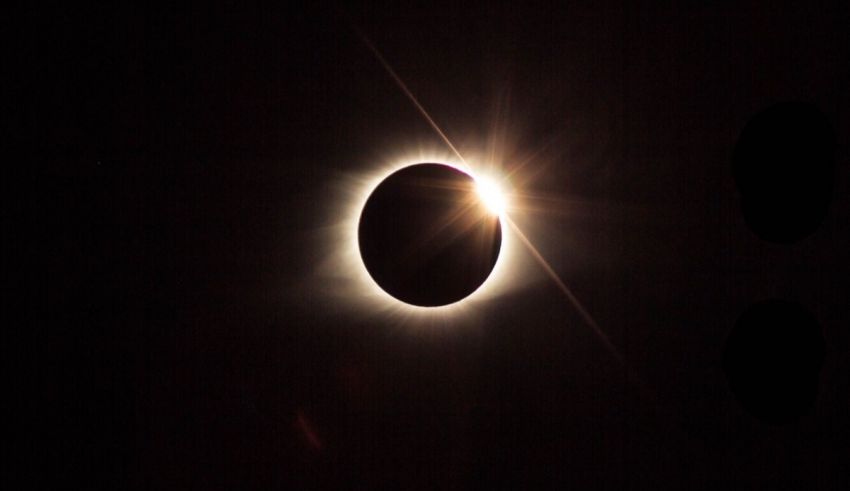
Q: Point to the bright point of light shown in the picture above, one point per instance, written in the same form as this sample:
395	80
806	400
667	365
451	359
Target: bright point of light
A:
491	195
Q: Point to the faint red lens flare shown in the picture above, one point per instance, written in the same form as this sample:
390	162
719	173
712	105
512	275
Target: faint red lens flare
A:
307	430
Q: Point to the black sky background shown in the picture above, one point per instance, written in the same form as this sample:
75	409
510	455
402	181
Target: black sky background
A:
183	161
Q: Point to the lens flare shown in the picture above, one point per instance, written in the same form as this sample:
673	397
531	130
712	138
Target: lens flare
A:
491	194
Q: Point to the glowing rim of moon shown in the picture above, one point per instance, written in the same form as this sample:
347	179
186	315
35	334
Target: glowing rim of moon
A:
375	296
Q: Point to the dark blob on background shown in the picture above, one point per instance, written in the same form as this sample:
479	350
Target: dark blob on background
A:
425	238
773	360
783	164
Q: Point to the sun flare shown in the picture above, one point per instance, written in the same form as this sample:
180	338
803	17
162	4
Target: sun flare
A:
491	194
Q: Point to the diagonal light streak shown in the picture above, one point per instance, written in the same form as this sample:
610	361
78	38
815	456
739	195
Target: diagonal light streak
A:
408	93
585	315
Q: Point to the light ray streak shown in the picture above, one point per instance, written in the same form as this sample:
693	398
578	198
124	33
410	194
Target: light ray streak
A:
585	315
630	374
408	93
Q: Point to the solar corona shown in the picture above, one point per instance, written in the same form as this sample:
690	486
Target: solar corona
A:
430	234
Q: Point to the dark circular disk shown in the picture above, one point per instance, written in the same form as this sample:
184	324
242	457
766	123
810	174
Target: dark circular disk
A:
783	164
773	360
426	238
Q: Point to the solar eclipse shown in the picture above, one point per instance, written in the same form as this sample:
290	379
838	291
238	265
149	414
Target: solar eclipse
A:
430	234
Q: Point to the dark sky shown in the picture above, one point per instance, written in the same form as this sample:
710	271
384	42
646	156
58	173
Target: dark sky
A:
186	161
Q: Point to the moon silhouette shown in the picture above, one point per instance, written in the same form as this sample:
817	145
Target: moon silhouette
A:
426	237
